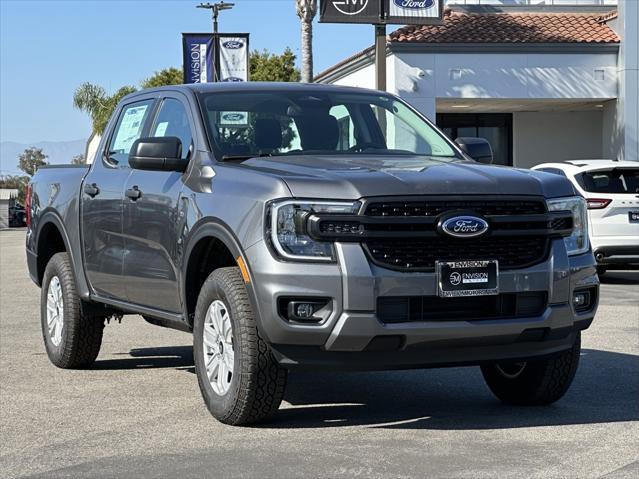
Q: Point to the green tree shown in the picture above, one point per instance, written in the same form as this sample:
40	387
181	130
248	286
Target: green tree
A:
265	66
168	76
31	159
79	160
15	182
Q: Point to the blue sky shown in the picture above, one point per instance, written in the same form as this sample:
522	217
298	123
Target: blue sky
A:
48	48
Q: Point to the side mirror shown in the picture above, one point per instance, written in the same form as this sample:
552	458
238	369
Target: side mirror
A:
157	154
477	148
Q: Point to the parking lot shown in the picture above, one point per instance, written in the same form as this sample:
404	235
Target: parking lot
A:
138	411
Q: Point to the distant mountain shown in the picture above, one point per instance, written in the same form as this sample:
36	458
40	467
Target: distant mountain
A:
59	152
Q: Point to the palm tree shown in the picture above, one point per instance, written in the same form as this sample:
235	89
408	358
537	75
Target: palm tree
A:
306	10
94	100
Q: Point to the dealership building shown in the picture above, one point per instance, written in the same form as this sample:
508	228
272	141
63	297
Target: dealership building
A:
542	81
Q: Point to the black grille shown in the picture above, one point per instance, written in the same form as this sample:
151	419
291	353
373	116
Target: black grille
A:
402	309
401	233
434	208
420	254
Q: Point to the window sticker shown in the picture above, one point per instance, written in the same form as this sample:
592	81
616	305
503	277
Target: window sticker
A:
160	130
130	128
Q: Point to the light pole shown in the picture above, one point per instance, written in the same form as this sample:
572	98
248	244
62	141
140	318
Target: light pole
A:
216	8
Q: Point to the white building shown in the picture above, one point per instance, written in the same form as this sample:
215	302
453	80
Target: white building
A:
542	83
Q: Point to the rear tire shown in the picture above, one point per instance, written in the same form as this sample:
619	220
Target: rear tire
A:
240	380
72	339
534	383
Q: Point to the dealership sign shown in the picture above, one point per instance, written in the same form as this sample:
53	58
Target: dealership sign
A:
209	58
198	57
415	12
234	57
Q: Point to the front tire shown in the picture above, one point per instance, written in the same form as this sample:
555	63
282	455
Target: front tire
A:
534	383
72	339
240	381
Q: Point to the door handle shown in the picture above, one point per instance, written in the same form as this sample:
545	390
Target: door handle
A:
133	193
91	189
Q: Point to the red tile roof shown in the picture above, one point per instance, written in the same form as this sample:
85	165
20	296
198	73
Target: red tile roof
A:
459	27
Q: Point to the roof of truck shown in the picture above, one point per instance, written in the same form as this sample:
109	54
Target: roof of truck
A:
261	86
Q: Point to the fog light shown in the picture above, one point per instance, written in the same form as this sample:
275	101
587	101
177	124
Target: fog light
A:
582	301
303	310
311	310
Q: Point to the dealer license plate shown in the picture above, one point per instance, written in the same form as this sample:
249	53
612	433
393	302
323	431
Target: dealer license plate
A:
468	278
633	216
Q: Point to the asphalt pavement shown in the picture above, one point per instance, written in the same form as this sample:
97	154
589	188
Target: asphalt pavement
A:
138	411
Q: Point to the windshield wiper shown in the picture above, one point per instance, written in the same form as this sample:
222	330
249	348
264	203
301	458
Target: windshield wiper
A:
247	157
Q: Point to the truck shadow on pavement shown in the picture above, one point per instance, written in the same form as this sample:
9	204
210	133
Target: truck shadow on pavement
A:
606	389
180	357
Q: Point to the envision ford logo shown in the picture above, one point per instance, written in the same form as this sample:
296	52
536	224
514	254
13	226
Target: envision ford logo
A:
232	79
233	45
464	226
414	4
350	7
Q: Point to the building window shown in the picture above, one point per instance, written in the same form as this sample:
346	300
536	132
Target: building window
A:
497	128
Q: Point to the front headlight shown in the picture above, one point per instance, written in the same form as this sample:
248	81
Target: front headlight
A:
577	242
287	222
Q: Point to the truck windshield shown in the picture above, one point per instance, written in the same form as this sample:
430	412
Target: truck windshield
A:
249	124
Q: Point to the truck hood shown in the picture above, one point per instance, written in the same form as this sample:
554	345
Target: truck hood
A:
353	177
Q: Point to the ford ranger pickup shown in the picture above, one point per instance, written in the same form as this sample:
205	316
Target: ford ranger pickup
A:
311	226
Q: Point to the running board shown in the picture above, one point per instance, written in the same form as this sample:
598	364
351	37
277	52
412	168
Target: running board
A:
156	316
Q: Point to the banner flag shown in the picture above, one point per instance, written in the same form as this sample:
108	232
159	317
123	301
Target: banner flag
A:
234	57
198	52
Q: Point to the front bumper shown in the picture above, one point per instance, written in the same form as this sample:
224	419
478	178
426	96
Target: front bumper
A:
352	337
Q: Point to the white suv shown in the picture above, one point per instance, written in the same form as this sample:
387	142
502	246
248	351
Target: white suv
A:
611	189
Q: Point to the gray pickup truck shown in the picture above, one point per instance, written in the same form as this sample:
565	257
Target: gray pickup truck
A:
309	226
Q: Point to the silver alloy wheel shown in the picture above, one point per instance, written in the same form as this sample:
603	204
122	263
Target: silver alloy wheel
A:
55	311
217	343
511	370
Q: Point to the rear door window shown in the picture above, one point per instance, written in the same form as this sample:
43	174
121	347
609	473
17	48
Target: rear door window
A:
617	180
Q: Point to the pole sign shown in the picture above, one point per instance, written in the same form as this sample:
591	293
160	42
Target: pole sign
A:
413	12
198	57
233	49
379	12
350	11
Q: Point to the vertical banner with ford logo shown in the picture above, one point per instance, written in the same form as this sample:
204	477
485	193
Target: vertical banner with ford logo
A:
234	57
198	57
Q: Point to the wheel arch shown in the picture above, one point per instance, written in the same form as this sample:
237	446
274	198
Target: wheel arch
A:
211	244
52	238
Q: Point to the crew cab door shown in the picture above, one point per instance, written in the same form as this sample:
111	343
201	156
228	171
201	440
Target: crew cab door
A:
102	202
152	222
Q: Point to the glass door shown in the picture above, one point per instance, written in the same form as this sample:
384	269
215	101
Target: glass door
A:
497	128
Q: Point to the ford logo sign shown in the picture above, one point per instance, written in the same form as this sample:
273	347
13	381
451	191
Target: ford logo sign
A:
233	45
414	4
233	117
232	79
464	226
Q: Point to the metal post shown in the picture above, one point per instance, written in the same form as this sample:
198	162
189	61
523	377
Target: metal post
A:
380	57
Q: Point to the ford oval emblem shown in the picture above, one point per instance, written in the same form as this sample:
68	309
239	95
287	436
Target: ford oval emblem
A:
232	79
464	226
233	117
233	45
414	4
